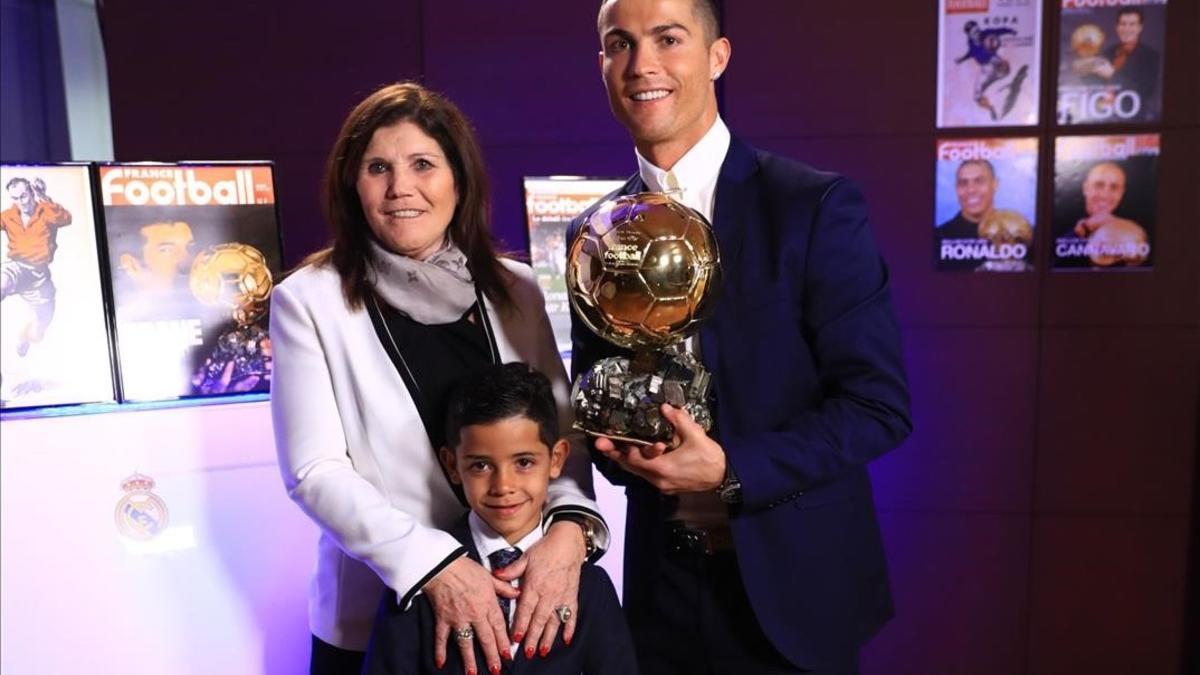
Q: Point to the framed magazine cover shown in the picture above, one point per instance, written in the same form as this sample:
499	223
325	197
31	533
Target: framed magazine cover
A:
551	203
985	204
988	63
1105	202
55	339
194	249
1110	61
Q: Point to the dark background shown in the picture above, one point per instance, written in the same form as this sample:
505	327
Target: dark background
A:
1037	521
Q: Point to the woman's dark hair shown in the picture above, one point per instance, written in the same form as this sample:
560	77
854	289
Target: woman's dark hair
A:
469	228
500	392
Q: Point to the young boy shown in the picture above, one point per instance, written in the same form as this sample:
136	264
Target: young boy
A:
504	425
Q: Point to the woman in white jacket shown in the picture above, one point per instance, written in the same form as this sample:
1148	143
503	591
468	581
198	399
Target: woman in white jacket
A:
369	337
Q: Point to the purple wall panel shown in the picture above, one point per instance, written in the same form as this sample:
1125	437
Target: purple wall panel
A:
507	164
831	68
1181	95
967	451
1170	294
235	80
1117	420
1107	595
525	72
958	582
297	182
243	79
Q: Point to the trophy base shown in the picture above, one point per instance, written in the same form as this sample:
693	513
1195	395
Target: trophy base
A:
620	398
611	437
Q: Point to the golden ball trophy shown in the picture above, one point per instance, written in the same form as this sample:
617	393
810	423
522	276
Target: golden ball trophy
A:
642	273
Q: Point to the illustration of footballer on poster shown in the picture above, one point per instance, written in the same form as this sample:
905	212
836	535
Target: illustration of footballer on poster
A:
988	55
54	343
194	251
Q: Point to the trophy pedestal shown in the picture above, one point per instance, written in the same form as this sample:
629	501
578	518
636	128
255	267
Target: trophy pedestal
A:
619	397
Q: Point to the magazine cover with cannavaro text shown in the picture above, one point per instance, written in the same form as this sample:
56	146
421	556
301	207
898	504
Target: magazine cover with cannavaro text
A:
986	204
1110	61
54	337
551	203
193	251
1105	201
988	62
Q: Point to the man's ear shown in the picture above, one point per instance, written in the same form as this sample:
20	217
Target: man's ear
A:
558	456
131	265
718	57
450	462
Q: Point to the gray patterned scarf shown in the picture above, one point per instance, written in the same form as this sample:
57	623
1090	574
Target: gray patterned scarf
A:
436	290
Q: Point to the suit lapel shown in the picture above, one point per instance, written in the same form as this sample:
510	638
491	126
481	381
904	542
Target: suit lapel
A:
634	185
734	205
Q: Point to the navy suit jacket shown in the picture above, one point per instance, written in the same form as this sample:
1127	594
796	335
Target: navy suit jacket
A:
402	641
809	386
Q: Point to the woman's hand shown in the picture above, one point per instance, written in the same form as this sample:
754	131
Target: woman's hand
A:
464	595
549	573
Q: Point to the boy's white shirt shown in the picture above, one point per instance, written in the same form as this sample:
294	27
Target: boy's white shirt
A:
488	541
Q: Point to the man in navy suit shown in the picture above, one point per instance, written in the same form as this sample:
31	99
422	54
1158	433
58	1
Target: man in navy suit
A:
755	549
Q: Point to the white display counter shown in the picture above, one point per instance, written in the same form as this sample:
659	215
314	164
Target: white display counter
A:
222	589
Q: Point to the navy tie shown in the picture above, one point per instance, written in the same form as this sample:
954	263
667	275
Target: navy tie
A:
499	560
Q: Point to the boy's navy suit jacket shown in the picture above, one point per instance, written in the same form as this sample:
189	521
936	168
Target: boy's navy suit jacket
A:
402	641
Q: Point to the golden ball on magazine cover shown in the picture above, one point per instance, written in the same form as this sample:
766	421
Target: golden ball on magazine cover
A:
1087	40
1005	226
234	276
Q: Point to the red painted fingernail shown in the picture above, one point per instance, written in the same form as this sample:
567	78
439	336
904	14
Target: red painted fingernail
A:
544	650
494	669
529	652
566	641
439	663
506	655
517	637
471	671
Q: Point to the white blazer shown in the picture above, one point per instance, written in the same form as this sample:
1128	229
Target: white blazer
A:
355	456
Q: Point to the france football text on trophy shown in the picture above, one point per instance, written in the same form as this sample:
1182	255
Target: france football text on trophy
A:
643	272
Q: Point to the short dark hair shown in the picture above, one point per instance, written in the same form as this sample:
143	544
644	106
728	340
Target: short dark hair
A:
1131	10
469	228
18	179
500	392
705	10
982	162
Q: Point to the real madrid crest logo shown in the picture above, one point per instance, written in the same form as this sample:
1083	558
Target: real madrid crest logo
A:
141	514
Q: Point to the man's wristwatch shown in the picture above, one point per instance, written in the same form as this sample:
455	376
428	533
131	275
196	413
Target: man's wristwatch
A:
730	489
589	530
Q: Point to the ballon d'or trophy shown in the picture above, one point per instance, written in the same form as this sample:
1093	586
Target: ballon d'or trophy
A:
1086	41
643	273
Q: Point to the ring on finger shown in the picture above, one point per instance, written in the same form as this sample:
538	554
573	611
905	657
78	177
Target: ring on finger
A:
465	634
564	613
